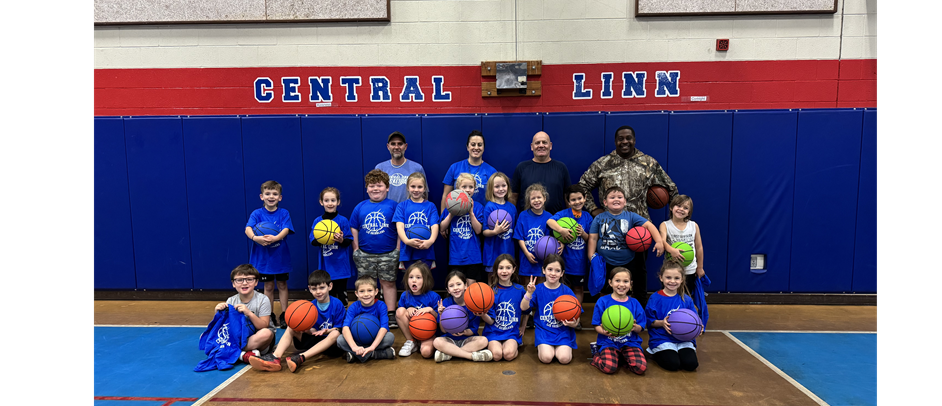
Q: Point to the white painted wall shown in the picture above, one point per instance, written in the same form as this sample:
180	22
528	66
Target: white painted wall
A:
466	32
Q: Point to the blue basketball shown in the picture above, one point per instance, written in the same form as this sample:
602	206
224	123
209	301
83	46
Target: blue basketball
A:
364	329
420	231
265	228
497	216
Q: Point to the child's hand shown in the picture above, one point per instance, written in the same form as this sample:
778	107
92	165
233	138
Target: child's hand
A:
571	323
700	272
675	253
424	244
659	248
667	326
440	307
530	257
411	312
318	332
241	308
581	232
559	250
502	227
481	315
531	287
338	237
220	307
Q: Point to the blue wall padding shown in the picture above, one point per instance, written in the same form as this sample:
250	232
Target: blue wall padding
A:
865	246
827	171
114	252
216	198
331	147
159	220
699	156
272	150
173	194
762	183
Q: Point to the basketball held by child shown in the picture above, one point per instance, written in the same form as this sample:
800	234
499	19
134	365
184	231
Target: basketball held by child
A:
301	315
685	324
479	297
364	329
324	231
458	203
546	245
498	216
454	319
420	231
265	228
569	224
657	196
638	239
566	307
423	326
617	320
685	250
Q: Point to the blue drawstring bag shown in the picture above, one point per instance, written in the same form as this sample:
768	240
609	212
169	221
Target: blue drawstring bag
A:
596	274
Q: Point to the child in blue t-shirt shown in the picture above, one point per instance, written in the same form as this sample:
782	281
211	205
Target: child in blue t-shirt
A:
669	352
464	245
336	257
320	338
577	263
381	347
553	338
531	226
499	239
416	210
611	348
466	344
270	253
502	322
417	298
375	242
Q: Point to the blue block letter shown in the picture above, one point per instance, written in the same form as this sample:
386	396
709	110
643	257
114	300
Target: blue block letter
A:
263	93
438	95
351	83
290	93
577	93
633	84
668	83
411	90
380	89
321	87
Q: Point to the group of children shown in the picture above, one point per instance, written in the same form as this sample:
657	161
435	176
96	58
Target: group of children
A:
375	238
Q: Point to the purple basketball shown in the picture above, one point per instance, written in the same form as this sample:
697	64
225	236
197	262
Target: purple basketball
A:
497	216
685	324
454	319
546	245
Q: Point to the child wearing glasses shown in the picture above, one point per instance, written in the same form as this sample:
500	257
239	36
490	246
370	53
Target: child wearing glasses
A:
255	306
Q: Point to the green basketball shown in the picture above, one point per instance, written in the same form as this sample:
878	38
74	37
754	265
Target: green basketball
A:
617	320
567	223
685	250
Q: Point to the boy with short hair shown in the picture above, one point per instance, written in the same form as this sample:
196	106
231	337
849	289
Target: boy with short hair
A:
255	307
270	252
381	347
320	338
375	239
577	263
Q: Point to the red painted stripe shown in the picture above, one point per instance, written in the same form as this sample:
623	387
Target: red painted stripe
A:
428	401
727	85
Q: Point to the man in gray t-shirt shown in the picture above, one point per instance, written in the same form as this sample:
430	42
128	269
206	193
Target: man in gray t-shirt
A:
398	167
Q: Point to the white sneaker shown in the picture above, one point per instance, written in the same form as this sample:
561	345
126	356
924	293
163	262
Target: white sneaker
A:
408	348
441	357
482	355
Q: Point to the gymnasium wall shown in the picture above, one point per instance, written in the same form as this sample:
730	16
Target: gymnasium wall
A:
172	194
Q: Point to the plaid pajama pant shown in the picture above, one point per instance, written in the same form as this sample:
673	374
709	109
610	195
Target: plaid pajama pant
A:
607	359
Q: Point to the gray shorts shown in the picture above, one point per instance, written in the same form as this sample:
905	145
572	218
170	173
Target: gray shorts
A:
458	343
382	266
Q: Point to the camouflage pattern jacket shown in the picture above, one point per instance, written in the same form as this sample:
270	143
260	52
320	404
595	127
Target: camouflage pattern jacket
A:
635	175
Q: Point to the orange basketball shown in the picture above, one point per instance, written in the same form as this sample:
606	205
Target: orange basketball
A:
301	315
657	196
479	297
566	307
423	326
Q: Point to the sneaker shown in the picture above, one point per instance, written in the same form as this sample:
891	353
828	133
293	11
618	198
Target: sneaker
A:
482	355
408	348
348	356
392	321
262	364
442	357
294	362
387	353
530	322
281	321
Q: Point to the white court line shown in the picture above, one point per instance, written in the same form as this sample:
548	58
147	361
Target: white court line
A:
221	386
777	371
793	331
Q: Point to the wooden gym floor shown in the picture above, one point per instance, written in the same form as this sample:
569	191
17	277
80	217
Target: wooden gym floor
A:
776	368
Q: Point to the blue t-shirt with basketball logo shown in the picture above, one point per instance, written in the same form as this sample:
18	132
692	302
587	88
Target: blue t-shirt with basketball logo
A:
409	213
330	317
427	299
529	229
377	309
549	330
660	306
574	254
373	221
501	243
473	321
612	230
464	245
334	258
630	339
481	175
274	258
506	314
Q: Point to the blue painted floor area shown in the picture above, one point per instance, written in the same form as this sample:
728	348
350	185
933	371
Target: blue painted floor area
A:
144	362
839	368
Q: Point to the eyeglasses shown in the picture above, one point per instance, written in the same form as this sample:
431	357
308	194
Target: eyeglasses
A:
244	280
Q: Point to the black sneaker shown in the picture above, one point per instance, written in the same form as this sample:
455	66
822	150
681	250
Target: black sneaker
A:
530	322
392	320
387	353
348	356
294	362
281	321
266	362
